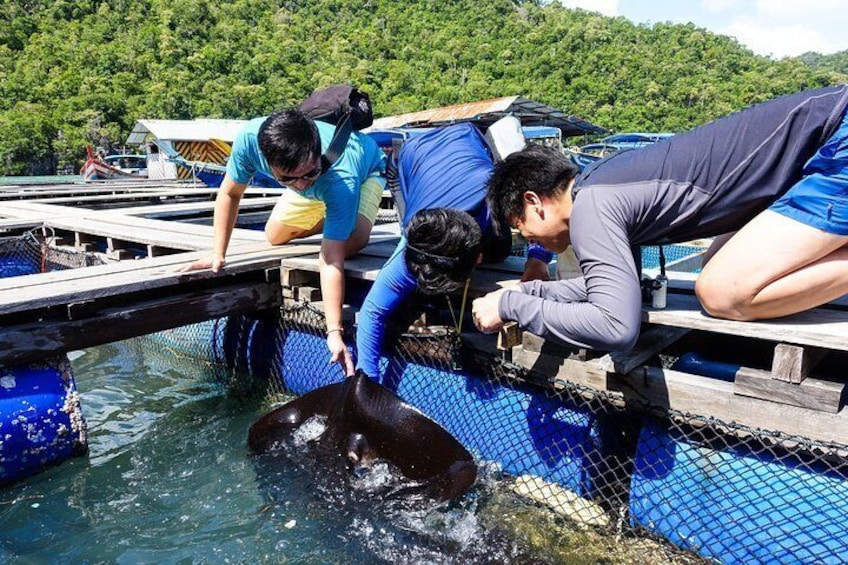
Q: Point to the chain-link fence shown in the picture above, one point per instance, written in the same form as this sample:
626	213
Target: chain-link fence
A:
32	253
725	492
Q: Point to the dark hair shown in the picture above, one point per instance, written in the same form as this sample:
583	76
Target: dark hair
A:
289	139
443	245
543	170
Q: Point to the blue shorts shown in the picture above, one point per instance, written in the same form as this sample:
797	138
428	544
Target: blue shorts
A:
820	198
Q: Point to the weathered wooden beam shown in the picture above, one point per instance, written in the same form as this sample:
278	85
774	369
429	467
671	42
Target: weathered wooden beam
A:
815	394
33	340
156	251
703	396
117	249
509	336
84	242
792	363
297	277
651	342
559	370
532	342
307	294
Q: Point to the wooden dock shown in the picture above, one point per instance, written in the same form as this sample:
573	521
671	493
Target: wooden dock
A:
146	231
156	230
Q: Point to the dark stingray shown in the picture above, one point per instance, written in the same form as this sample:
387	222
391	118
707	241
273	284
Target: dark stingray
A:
367	422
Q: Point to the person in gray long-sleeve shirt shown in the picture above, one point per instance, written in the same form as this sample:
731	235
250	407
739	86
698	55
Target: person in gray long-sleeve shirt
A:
777	172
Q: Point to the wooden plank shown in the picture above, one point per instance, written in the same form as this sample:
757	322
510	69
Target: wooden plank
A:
84	242
818	327
815	394
365	267
295	277
51	289
651	342
559	370
667	389
792	363
22	343
532	342
684	283
166	209
162	235
160	195
117	249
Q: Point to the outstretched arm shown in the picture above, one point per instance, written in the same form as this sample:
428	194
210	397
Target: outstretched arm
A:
224	220
331	262
601	310
393	284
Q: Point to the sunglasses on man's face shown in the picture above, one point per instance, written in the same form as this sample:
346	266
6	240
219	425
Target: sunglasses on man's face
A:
310	175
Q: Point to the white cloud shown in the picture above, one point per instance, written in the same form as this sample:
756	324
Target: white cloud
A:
719	6
777	41
785	28
794	10
605	7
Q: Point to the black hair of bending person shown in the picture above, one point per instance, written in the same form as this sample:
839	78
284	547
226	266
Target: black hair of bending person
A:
289	139
543	170
442	232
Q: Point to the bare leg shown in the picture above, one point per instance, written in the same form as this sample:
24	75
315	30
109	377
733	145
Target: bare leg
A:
774	266
717	244
279	233
359	238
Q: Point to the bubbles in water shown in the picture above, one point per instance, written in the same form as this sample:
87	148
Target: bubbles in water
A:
375	477
309	430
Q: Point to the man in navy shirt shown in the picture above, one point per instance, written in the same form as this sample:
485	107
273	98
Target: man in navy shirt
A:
777	172
448	229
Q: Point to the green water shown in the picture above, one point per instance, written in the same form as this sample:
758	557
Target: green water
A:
168	480
42	180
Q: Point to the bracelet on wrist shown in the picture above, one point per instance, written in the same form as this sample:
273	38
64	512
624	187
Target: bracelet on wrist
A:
334	330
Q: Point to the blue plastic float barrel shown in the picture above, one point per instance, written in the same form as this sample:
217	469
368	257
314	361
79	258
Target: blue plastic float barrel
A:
15	266
40	419
696	364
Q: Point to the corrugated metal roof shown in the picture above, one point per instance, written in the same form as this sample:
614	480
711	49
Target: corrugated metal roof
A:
185	130
487	112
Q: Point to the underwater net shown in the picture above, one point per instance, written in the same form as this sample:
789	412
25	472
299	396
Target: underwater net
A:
724	492
32	252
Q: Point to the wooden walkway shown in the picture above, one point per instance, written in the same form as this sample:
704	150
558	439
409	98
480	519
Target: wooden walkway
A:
148	231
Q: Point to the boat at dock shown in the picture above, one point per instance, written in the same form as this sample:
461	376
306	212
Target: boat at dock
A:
123	166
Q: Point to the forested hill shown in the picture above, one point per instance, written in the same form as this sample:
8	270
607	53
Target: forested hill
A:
74	72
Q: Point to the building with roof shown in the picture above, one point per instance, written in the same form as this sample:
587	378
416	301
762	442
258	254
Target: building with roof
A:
205	140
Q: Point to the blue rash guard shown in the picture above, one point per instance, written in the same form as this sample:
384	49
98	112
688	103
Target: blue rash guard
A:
445	168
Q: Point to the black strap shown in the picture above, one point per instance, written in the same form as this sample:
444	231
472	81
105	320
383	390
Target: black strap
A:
338	144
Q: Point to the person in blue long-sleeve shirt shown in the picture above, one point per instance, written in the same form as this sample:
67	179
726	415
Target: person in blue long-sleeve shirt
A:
448	229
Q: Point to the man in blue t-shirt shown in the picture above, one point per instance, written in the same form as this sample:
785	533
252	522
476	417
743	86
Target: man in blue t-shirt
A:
287	145
777	172
448	230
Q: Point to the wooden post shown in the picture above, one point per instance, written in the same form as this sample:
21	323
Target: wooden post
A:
509	336
793	363
117	249
84	242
